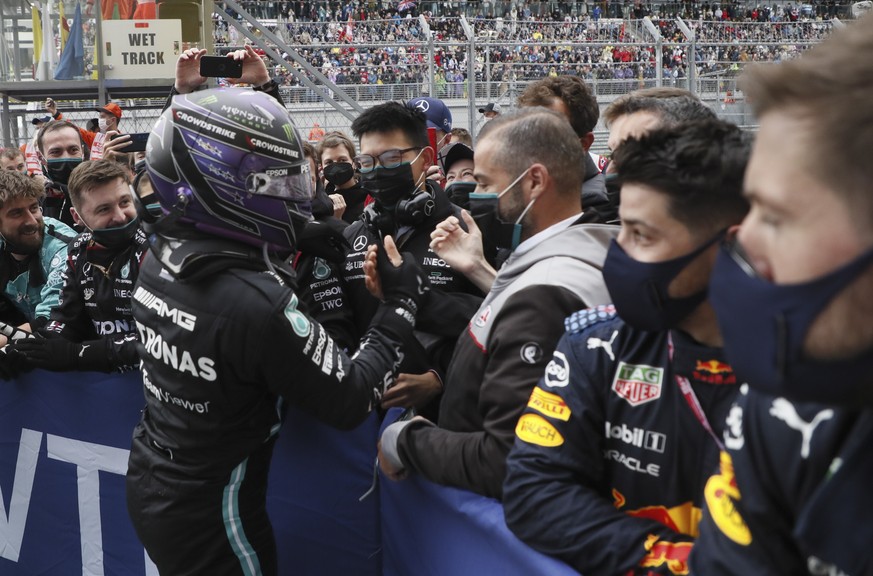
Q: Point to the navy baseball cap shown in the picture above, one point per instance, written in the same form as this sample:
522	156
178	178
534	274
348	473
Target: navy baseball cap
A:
438	114
41	119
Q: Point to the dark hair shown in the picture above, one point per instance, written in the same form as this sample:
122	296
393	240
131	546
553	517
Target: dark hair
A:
334	139
309	151
391	116
671	105
576	95
92	173
55	127
698	165
538	135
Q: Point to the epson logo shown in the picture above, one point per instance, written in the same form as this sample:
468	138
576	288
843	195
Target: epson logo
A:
277	172
180	318
654	441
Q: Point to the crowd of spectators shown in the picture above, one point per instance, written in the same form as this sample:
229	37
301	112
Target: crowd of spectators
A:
381	52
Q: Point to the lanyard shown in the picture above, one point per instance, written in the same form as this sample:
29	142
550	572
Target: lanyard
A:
691	398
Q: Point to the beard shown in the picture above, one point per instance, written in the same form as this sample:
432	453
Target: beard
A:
27	240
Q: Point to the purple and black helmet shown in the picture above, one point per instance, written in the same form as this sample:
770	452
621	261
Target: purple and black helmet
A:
232	161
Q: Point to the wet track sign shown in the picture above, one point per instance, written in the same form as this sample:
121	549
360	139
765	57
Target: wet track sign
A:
138	49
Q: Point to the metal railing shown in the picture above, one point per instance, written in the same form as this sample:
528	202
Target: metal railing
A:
332	69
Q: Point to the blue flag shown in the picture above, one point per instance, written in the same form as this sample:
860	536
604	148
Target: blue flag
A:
73	58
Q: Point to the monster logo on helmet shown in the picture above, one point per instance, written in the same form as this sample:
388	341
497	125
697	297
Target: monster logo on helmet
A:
226	177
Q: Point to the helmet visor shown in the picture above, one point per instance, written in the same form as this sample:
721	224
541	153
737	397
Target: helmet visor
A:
292	183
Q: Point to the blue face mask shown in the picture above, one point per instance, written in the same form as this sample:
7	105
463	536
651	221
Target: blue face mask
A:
639	289
764	326
484	208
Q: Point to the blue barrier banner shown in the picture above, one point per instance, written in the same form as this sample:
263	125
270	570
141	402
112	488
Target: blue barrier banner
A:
317	478
64	444
432	530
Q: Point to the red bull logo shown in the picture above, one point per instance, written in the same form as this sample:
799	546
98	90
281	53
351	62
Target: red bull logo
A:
713	367
672	554
714	372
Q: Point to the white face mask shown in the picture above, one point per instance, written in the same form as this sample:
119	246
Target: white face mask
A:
103	124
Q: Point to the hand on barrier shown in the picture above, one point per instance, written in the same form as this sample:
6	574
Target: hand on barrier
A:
59	354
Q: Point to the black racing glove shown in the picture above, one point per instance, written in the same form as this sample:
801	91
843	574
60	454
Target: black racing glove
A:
406	284
61	355
11	365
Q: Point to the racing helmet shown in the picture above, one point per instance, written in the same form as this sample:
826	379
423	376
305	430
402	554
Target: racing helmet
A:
230	162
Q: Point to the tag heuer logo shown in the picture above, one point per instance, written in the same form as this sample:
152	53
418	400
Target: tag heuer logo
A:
638	383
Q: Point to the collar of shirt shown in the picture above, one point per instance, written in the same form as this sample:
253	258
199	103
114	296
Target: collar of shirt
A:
545	234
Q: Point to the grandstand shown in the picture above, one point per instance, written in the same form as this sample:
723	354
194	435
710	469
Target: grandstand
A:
336	57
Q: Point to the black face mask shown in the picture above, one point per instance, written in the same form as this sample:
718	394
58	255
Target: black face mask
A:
58	170
389	185
459	193
639	289
117	237
339	173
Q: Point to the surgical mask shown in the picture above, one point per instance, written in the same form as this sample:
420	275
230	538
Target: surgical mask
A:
484	208
389	185
639	290
764	326
459	193
338	173
59	169
103	124
117	237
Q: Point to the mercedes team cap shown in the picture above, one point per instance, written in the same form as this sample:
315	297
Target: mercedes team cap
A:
41	120
111	108
438	114
452	153
490	107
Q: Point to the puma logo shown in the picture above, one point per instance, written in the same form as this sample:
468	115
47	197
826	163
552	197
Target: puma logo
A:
82	351
595	342
785	411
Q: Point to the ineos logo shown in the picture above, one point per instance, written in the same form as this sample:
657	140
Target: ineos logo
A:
360	243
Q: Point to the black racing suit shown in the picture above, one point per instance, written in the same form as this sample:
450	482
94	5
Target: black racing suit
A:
609	462
95	300
794	493
223	348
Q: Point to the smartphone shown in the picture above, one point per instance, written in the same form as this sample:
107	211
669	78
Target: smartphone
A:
137	142
220	67
431	135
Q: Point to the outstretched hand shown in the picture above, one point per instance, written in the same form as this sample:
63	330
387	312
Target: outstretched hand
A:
461	249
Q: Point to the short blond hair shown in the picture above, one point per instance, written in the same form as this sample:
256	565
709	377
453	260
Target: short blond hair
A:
828	88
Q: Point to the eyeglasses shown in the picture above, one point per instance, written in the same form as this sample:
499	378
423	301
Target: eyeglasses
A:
365	163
